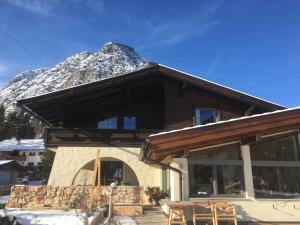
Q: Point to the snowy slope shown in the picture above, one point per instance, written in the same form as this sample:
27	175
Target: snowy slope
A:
113	59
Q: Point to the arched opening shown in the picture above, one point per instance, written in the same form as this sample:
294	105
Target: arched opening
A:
112	170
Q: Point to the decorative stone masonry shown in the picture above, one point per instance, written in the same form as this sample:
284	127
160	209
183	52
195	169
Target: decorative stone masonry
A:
56	197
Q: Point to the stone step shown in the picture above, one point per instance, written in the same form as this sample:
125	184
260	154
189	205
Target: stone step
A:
152	209
152	215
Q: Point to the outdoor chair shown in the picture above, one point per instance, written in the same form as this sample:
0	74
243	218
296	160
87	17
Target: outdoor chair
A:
176	216
203	211
224	211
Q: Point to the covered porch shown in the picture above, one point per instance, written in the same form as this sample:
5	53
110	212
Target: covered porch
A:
252	162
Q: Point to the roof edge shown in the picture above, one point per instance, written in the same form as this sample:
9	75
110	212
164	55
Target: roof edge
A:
225	121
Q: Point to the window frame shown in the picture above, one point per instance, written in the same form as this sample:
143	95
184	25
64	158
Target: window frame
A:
276	163
269	138
135	122
219	162
218	116
106	118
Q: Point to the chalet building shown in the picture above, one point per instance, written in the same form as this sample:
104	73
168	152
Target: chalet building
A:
162	127
27	152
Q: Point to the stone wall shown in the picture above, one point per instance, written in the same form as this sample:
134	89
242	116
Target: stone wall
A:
57	197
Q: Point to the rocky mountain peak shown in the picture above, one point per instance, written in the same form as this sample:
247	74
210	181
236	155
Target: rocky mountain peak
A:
113	47
112	60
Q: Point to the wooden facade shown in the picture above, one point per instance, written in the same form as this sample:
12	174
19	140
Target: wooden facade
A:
246	130
160	98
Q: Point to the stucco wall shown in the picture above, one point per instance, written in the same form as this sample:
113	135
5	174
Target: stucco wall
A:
69	160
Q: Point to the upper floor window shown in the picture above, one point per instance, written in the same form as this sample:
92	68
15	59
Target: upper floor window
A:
129	122
205	115
31	153
108	123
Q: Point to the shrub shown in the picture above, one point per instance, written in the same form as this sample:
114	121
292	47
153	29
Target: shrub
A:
155	194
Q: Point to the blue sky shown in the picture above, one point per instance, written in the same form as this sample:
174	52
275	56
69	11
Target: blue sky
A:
249	45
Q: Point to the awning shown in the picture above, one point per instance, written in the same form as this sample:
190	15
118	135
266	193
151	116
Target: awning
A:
245	129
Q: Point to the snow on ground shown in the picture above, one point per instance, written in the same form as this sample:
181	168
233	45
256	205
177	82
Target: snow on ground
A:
49	217
123	220
56	217
4	199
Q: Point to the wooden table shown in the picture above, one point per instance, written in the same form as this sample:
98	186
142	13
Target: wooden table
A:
176	208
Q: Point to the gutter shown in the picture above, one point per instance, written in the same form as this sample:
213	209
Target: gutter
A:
144	158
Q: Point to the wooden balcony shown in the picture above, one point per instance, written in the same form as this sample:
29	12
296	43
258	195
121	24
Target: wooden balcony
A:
55	137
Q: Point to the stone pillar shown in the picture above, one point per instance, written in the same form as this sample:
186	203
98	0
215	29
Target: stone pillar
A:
249	188
181	164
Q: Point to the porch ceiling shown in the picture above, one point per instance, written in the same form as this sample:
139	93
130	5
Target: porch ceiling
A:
243	129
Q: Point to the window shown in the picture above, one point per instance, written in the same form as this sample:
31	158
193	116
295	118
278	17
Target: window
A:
276	167
276	182
129	122
226	152
280	148
205	115
216	171
31	164
31	153
40	153
108	123
111	171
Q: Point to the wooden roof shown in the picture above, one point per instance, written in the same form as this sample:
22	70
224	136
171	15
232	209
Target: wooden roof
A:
178	142
48	108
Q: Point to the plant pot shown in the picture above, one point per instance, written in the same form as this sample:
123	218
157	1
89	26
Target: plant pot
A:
155	203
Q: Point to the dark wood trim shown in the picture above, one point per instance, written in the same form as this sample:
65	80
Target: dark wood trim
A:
95	137
246	130
81	94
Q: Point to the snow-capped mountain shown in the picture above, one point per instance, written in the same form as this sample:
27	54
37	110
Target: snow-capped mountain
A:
112	60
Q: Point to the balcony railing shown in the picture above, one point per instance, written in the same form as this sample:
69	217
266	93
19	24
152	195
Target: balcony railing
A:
95	137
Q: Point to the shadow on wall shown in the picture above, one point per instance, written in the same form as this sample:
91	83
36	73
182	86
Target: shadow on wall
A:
243	215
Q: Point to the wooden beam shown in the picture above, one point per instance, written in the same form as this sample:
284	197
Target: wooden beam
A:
248	140
247	130
249	111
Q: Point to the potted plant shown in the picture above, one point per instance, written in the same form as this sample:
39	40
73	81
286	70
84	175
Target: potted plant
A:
155	194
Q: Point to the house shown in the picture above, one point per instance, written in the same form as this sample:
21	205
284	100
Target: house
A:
8	171
163	127
27	152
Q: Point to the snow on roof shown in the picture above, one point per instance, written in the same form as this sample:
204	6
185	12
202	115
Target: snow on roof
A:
232	89
163	66
22	145
2	162
225	121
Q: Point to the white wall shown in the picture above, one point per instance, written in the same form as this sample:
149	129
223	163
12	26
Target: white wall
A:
36	159
181	164
69	161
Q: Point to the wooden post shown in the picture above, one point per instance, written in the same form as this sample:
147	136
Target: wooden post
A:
97	170
99	177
